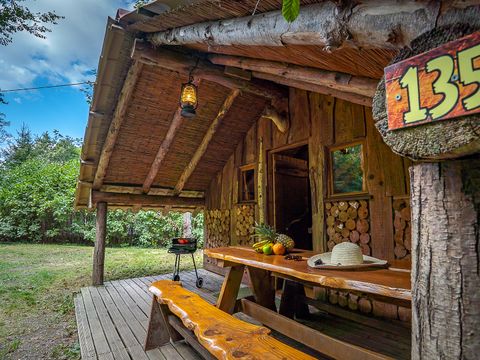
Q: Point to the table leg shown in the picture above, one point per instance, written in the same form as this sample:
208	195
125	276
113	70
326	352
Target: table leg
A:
291	304
231	284
263	289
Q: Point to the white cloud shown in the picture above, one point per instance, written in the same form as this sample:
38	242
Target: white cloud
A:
69	51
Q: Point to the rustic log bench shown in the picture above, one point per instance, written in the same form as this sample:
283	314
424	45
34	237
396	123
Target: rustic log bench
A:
177	312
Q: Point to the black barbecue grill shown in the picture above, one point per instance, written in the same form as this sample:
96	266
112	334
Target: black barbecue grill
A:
183	246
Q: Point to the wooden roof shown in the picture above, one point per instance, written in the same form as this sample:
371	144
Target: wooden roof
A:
181	13
136	102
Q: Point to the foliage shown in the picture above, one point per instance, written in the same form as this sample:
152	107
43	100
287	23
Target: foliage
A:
3	122
140	3
38	176
290	9
17	18
348	169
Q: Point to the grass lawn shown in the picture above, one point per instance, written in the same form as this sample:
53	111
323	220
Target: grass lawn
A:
37	285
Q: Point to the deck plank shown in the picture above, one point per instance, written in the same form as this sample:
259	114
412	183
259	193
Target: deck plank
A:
101	343
87	347
125	305
113	338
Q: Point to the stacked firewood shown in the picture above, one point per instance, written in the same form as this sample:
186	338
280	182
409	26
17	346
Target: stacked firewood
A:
366	305
244	223
348	221
402	228
217	223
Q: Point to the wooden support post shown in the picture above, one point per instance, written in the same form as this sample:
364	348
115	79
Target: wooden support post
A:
228	295
445	202
99	252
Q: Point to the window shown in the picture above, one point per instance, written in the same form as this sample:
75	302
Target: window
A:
247	183
346	167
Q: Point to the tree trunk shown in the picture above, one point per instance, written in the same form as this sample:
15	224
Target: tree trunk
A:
445	202
187	224
99	252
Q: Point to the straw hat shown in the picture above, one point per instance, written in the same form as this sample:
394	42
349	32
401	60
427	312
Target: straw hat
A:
344	256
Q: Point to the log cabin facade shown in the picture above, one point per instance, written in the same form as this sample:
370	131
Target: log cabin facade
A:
284	132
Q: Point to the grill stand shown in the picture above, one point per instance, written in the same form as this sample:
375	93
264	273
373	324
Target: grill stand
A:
176	270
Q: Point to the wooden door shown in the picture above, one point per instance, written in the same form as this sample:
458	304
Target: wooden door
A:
291	199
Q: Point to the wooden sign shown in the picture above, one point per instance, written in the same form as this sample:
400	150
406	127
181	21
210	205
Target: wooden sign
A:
440	84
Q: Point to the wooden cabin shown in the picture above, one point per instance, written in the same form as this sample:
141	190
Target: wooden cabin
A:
284	131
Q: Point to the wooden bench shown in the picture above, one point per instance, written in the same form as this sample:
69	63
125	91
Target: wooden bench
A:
177	312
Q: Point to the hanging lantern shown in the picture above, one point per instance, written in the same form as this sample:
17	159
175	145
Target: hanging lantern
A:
188	99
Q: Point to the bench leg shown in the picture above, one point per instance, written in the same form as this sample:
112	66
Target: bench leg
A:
291	304
159	331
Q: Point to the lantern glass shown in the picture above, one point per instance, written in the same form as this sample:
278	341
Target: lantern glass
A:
189	95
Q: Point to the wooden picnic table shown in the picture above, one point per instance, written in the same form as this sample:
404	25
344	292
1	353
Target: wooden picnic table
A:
390	285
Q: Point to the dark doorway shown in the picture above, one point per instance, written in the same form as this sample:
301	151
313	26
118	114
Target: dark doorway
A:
291	195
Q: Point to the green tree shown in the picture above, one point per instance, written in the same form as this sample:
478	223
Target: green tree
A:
17	18
3	122
20	149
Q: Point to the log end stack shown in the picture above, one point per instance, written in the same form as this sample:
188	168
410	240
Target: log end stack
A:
244	223
402	228
217	223
348	221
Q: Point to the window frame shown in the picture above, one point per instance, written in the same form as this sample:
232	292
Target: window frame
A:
330	150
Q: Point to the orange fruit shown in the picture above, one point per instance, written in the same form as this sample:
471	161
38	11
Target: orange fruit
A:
278	249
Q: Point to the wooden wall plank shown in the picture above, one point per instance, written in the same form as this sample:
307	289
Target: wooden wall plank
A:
380	205
250	146
343	122
299	116
321	112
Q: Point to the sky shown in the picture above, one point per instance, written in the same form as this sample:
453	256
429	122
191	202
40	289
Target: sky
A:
67	55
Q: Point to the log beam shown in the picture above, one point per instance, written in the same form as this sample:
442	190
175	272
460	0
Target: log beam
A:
202	69
115	125
99	251
354	98
339	81
372	24
144	200
154	191
227	104
163	150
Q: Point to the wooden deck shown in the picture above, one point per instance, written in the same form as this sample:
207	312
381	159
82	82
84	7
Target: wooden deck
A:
112	319
112	322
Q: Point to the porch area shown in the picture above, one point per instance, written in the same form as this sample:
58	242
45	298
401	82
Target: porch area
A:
112	322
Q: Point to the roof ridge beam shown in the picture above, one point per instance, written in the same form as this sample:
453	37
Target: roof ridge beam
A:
373	24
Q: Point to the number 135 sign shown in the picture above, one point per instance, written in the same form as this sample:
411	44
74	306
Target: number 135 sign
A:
440	84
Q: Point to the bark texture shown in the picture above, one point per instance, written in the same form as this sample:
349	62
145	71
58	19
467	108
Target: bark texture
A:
382	24
99	251
444	139
445	259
